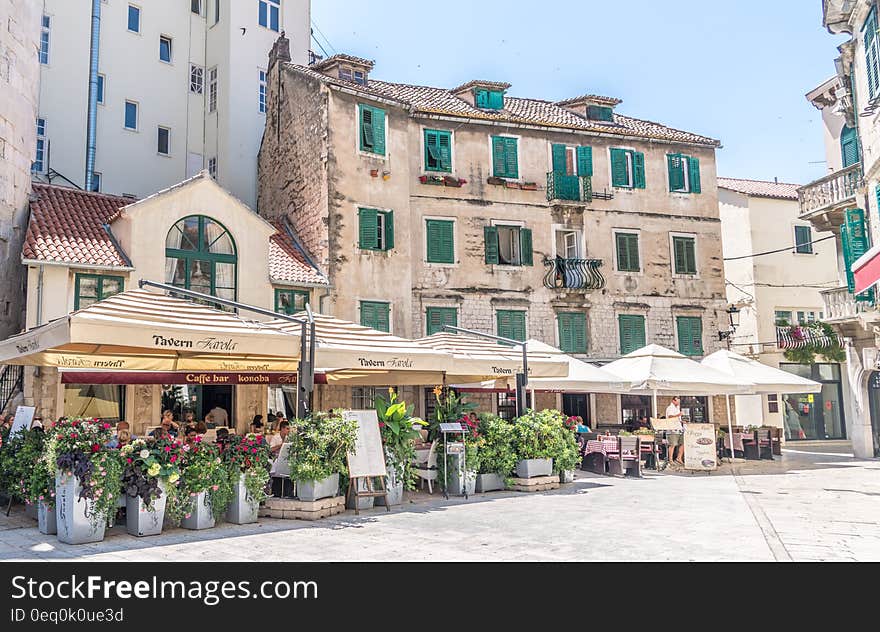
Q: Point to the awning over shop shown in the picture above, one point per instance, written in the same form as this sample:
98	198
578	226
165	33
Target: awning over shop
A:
765	378
203	378
139	330
476	359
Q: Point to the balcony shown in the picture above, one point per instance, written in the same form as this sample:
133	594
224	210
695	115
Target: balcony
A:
841	306
834	192
797	337
573	274
570	188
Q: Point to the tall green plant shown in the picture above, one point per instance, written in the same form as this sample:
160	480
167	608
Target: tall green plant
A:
396	427
497	454
319	447
449	407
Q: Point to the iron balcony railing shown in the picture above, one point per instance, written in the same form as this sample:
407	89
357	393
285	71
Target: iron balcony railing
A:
10	383
574	274
835	189
799	336
565	187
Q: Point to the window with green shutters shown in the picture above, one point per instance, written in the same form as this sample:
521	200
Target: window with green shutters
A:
436	318
511	324
632	332
627	168
91	288
489	99
627	245
849	146
508	245
290	301
600	113
684	255
803	238
438	150
571	161
690	335
375	229
372	124
505	163
684	173
872	59
440	238
376	315
572	332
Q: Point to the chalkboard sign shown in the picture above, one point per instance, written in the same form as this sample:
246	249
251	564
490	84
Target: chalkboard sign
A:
24	415
368	458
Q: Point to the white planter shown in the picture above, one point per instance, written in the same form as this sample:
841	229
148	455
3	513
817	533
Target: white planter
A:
455	485
489	482
316	490
46	519
200	514
530	468
566	476
244	508
366	502
141	520
74	515
30	510
395	488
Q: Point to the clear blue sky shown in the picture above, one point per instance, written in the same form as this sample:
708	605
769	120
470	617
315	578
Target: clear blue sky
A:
733	70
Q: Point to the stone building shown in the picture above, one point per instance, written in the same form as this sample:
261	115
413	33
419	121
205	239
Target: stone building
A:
567	222
19	83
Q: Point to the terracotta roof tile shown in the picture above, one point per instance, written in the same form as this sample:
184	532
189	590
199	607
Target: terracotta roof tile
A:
66	226
431	100
481	83
324	63
287	262
595	98
760	188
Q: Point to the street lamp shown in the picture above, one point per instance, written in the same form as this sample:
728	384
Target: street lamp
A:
733	316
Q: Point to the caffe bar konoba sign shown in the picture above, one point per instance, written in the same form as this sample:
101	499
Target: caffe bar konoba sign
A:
203	378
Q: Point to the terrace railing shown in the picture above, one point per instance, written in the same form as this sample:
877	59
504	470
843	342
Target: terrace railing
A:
573	274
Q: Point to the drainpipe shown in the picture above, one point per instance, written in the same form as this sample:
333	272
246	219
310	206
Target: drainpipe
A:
92	119
39	297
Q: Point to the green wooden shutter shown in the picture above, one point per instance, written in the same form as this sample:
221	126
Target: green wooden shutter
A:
490	237
690	335
496	100
366	121
572	332
690	256
432	151
849	146
368	228
436	318
627	252
585	161
511	164
498	160
379	131
871	58
803	238
684	252
440	244
368	314
854	239
694	174
558	155
504	327
389	230
444	142
481	97
675	165
618	168
525	246
638	170
511	324
632	332
376	315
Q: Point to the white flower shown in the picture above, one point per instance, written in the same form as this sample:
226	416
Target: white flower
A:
144	453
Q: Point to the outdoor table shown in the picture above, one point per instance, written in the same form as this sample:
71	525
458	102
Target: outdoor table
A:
603	446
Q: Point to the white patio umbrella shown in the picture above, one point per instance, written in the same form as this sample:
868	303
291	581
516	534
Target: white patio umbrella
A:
657	370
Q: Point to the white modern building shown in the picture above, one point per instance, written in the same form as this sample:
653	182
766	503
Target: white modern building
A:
776	290
136	96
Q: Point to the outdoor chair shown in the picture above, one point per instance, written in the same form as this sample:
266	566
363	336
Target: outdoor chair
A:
428	472
750	445
594	462
764	438
648	451
627	459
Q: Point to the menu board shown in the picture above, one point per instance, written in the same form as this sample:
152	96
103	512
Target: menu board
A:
368	459
24	416
699	447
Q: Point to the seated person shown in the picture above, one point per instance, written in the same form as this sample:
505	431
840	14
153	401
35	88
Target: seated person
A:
222	437
642	422
114	440
200	427
209	421
257	426
278	440
168	424
123	438
191	434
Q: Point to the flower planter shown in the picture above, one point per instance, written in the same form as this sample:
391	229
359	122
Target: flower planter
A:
455	484
316	490
529	186
530	468
46	519
243	509
566	476
74	514
141	520
512	185
201	516
489	482
353	502
30	510
395	488
495	180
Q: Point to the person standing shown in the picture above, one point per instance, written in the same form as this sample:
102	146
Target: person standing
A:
221	418
676	450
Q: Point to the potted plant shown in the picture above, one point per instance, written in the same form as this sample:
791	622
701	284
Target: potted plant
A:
204	491
449	407
567	454
248	461
495	180
472	441
88	479
41	485
534	437
318	453
151	466
10	477
399	429
529	186
497	458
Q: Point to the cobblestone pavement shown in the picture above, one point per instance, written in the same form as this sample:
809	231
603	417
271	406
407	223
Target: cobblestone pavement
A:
815	503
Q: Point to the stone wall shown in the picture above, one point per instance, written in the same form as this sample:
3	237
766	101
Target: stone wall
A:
19	85
607	409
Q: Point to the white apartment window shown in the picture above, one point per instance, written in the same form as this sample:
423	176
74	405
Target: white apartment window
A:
212	90
100	88
39	160
345	73
134	19
196	78
164	141
131	115
196	6
509	245
165	48
269	12
262	96
212	167
360	78
96	181
44	40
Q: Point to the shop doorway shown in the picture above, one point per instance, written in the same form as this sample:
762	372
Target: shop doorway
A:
815	415
198	400
874	406
634	407
577	404
695	409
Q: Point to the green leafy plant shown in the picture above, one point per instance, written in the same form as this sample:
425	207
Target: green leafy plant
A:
807	351
450	407
248	455
318	449
545	435
202	470
396	423
146	462
497	453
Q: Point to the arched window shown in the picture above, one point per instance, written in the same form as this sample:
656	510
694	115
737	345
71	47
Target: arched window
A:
200	256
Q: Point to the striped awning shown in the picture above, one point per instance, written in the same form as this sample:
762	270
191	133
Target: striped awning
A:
139	330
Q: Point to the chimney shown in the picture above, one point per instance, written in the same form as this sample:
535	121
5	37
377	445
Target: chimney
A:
775	180
280	50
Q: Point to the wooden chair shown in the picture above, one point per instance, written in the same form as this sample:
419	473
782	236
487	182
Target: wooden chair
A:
648	451
764	437
428	472
750	446
594	462
628	458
